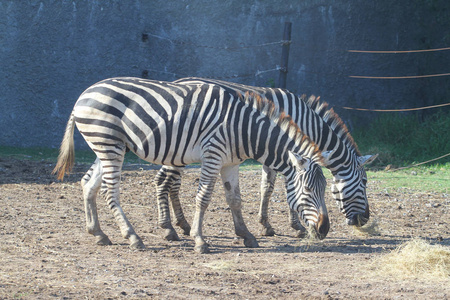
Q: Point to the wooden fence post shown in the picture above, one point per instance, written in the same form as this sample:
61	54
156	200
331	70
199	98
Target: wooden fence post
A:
285	55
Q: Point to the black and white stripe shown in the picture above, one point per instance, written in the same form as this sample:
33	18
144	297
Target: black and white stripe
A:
177	124
328	131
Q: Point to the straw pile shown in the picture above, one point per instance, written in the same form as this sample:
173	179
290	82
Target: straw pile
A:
416	259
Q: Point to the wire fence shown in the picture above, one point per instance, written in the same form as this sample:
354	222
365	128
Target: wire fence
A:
228	48
278	68
398	51
258	73
396	110
275	68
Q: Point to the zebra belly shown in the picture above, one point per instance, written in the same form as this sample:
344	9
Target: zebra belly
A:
172	158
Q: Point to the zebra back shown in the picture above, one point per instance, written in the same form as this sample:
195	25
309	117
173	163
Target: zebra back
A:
323	126
327	130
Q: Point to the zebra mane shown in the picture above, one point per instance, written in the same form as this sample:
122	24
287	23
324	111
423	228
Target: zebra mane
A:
333	120
266	107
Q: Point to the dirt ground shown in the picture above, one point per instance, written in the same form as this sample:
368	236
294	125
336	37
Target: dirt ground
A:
45	252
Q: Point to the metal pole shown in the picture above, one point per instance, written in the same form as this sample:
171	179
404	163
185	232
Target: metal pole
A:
285	55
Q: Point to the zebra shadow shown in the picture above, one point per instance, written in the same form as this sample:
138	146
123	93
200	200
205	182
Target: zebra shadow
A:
376	244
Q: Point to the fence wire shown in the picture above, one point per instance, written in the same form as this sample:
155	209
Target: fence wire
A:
398	51
278	68
396	110
256	74
419	164
216	47
232	76
399	77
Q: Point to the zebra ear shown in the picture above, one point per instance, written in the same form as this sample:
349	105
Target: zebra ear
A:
366	159
298	161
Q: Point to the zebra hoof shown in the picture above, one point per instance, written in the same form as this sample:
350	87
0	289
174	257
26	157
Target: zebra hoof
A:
298	227
171	235
136	242
103	240
251	243
187	230
185	226
268	231
137	245
202	249
301	234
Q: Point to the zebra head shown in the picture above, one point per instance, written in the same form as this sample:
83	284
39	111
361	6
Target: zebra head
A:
306	194
349	188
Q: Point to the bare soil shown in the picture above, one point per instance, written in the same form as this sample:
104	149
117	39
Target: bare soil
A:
45	252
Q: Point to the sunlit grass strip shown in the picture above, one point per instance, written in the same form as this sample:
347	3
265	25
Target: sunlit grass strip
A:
415	259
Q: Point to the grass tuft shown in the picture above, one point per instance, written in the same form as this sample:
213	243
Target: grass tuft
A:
415	259
221	265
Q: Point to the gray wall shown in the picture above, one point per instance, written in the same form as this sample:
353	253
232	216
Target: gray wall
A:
50	51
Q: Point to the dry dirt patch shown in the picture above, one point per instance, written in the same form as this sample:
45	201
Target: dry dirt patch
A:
46	253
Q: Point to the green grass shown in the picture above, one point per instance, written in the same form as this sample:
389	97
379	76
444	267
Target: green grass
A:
402	140
426	178
29	153
48	154
431	179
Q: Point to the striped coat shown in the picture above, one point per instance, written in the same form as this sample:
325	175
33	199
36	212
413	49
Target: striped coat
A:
178	124
326	129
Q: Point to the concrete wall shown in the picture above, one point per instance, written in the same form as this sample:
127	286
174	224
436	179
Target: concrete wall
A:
50	51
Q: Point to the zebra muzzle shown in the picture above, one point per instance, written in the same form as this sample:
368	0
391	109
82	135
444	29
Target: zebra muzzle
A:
323	226
320	229
359	220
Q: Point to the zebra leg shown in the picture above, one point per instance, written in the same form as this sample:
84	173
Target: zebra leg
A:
90	184
176	205
230	180
208	177
164	182
267	183
112	167
295	224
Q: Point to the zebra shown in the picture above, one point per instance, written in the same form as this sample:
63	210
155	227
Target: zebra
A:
178	124
326	129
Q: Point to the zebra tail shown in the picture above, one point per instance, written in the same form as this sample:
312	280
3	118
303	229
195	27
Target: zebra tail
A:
66	155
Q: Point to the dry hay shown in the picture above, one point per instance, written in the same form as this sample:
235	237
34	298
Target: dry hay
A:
310	241
369	229
221	265
416	259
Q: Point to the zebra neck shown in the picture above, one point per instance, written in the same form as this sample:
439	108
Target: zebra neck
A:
323	126
343	164
277	143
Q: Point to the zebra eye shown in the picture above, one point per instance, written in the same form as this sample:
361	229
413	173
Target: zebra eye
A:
307	189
